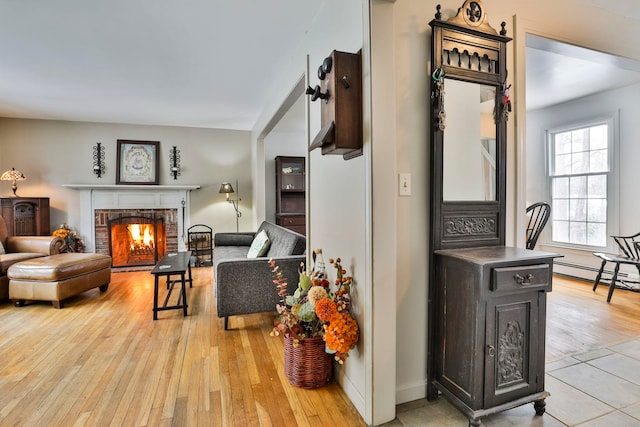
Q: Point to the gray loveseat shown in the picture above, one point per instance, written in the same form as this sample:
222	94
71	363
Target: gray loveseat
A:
245	285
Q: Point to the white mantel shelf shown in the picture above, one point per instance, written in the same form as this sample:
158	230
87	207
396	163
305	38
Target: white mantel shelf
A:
107	196
130	187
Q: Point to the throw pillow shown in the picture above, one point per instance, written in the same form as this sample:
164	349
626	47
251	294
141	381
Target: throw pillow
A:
1	249
259	246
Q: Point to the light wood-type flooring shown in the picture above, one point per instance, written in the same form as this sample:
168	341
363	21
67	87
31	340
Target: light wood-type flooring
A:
103	361
580	320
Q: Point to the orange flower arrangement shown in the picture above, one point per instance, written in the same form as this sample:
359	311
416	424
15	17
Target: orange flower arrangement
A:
326	308
341	334
316	308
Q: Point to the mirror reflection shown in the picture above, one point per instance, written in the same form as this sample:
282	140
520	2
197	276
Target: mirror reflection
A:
469	142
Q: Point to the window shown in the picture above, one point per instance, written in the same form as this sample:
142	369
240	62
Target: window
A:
580	175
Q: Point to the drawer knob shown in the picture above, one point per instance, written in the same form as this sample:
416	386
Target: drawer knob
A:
492	351
522	280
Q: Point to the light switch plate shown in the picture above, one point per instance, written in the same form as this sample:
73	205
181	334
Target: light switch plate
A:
404	184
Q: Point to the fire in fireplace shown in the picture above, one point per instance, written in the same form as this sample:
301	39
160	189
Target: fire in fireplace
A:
136	241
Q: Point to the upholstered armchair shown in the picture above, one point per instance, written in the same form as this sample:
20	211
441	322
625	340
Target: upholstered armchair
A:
14	249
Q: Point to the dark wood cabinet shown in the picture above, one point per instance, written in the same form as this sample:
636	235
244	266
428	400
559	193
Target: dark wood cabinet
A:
290	193
26	216
487	301
490	332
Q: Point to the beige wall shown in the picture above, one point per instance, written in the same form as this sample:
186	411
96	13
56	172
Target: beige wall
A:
54	153
355	210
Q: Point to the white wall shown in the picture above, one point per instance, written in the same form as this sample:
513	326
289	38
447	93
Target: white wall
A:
53	153
337	188
604	105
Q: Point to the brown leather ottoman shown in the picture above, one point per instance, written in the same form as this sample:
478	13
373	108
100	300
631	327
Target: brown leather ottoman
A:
57	277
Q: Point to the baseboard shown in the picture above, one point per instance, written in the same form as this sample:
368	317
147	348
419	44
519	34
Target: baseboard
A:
356	397
411	391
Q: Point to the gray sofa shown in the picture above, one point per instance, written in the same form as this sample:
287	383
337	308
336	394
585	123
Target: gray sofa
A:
245	285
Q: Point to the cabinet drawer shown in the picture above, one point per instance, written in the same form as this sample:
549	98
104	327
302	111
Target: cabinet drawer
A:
291	220
521	277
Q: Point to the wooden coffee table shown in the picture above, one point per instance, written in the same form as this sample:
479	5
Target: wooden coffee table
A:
172	264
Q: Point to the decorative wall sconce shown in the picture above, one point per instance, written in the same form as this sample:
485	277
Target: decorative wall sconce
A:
14	175
174	161
226	189
98	159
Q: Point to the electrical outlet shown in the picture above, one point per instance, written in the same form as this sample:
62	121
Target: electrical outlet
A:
404	184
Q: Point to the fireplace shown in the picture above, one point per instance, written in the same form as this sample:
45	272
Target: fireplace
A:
100	203
136	237
136	240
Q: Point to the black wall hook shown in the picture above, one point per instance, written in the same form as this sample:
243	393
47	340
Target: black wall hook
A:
316	93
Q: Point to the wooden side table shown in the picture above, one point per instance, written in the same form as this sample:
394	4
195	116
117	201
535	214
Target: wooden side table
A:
172	264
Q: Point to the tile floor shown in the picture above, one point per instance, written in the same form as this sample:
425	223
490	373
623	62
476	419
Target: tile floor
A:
596	389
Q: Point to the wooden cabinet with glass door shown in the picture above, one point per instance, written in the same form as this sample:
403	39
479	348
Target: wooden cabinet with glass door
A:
290	193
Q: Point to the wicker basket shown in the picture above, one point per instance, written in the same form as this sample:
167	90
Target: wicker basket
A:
307	365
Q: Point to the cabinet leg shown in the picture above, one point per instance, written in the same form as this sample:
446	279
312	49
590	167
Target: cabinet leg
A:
432	392
474	422
539	406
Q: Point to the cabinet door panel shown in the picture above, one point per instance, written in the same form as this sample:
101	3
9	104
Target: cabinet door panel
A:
512	347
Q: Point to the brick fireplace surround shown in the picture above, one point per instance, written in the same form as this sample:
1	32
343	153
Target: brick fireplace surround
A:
98	202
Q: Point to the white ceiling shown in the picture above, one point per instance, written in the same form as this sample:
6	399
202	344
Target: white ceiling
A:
200	63
558	72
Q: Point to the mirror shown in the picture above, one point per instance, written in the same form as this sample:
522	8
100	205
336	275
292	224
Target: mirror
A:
469	145
469	90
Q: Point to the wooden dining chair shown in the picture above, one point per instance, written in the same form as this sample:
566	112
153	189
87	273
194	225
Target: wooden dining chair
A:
538	214
629	254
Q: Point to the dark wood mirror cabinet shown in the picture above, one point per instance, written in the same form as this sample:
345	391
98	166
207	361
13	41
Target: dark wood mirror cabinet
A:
487	301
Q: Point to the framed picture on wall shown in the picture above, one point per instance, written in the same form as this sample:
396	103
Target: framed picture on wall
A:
137	162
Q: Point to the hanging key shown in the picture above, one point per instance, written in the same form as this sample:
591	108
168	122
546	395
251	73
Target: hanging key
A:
506	102
442	114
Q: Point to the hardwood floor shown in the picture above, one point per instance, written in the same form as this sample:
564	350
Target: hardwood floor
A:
580	320
102	361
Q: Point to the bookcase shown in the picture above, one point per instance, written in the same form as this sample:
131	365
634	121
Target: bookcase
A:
290	193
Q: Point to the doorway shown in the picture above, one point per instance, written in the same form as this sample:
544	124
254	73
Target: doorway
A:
570	87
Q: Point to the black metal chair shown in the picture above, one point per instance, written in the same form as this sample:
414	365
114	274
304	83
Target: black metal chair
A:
629	254
538	214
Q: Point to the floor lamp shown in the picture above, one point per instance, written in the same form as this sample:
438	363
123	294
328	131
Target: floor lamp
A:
226	189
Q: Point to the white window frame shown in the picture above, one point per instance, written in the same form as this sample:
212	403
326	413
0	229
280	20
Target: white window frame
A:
613	185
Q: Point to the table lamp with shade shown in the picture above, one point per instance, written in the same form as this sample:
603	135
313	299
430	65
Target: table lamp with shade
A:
13	175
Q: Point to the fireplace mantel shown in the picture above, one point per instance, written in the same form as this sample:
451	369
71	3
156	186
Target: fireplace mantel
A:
107	196
131	187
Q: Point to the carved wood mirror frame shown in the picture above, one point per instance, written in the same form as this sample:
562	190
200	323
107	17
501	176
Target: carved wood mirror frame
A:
465	48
